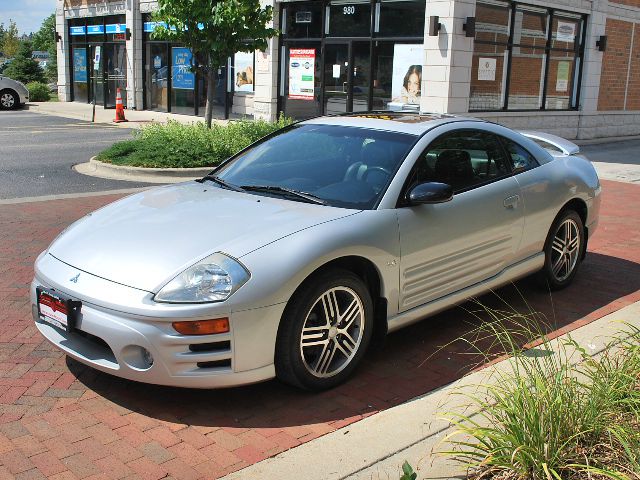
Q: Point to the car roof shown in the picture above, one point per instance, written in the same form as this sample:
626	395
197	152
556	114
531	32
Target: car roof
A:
402	122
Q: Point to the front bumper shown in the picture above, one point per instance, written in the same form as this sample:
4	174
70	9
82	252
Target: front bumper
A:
111	340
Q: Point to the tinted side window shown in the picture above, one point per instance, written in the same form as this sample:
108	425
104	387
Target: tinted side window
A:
463	159
521	160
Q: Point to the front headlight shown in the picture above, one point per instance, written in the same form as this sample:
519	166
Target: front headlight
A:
212	279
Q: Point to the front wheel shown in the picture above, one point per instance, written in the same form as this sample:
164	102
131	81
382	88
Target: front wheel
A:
8	100
563	251
325	331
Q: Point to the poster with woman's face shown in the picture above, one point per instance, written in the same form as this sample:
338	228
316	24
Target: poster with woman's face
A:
407	73
243	69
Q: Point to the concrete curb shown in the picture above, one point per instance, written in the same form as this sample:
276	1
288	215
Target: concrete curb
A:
96	168
376	447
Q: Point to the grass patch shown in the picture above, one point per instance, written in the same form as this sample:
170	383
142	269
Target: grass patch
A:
176	145
550	416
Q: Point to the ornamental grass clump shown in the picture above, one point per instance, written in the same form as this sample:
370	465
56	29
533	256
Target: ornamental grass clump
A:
177	145
549	413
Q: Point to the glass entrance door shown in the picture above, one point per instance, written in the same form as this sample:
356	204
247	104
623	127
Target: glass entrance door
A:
336	78
115	69
346	77
157	76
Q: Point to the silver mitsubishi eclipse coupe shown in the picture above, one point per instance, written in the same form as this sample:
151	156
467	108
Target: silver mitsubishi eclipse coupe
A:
288	257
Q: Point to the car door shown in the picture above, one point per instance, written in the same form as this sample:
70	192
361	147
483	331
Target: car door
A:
448	246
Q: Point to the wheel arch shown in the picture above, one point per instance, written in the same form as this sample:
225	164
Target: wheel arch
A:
580	207
367	271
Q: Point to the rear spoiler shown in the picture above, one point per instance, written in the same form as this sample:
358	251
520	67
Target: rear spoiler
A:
564	145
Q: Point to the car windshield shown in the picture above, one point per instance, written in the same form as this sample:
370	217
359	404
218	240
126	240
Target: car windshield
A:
340	166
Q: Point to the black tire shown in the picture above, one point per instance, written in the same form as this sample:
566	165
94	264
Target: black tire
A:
306	307
9	100
549	277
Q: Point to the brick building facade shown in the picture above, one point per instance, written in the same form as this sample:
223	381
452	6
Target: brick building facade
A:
529	65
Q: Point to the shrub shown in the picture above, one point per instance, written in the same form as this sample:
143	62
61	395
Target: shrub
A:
551	415
38	92
194	145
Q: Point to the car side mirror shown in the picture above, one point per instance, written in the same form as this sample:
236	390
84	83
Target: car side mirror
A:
430	192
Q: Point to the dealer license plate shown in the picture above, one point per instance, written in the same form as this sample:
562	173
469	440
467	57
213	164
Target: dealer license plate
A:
56	310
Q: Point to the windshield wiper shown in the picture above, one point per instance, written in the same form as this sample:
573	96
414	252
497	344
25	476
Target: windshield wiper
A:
219	181
289	191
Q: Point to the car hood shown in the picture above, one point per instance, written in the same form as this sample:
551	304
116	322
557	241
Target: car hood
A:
145	240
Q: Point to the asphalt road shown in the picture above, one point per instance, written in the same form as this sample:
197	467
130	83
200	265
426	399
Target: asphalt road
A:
37	152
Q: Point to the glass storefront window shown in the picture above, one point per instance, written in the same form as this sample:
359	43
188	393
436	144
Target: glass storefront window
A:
566	32
80	74
537	58
530	27
488	77
527	76
561	80
183	82
493	22
400	18
349	19
157	76
397	75
302	20
301	88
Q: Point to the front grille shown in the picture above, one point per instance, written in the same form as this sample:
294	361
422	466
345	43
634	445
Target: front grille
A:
210	347
215	364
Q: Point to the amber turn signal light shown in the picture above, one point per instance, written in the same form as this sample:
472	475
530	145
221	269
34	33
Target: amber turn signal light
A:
202	327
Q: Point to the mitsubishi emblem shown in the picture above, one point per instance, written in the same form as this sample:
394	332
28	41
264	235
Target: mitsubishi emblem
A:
74	279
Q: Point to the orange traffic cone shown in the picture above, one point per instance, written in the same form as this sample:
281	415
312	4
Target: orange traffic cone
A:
119	108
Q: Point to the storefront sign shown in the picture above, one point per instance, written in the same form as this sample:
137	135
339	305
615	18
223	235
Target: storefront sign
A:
117	28
182	77
77	30
487	69
566	32
302	68
80	65
262	61
95	29
151	26
562	78
157	62
96	58
407	74
243	69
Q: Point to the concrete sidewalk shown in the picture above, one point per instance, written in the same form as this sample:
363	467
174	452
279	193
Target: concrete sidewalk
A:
136	118
375	448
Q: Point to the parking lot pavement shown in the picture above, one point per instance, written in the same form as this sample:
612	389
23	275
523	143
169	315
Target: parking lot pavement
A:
37	152
60	419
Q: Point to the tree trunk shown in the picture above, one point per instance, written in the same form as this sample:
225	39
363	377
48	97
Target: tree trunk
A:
211	91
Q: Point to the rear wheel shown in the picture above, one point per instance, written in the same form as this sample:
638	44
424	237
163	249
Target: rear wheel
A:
563	251
325	331
8	100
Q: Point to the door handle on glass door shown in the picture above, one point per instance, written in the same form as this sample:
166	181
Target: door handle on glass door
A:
511	202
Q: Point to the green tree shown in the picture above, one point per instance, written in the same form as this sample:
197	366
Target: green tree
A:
44	40
214	30
10	40
24	68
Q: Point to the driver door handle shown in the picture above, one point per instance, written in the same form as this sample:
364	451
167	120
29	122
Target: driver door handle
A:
511	202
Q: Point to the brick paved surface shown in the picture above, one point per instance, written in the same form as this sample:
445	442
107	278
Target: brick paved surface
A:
62	420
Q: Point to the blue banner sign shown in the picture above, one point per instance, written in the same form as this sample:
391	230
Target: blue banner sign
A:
117	28
77	30
80	65
182	77
95	29
151	26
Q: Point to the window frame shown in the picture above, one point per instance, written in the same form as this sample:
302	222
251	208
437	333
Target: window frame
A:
516	171
410	181
578	51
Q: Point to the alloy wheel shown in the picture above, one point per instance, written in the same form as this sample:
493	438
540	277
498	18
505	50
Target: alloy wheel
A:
7	100
565	250
332	332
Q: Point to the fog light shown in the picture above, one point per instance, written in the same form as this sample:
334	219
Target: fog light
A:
137	357
202	327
